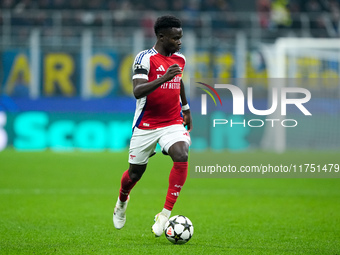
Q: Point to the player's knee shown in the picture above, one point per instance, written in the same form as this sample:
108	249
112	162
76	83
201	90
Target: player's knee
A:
135	177
181	157
136	172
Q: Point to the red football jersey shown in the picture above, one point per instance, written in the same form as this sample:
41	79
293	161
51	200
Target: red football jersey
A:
162	107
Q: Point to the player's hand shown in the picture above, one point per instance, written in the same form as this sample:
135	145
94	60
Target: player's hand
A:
172	72
187	120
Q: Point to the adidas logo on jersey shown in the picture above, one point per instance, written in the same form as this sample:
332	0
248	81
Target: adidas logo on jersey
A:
160	69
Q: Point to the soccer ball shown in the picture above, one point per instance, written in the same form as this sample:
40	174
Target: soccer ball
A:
179	229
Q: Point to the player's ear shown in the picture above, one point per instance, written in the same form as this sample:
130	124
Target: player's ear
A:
161	36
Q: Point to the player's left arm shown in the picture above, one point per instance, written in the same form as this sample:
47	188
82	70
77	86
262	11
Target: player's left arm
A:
187	120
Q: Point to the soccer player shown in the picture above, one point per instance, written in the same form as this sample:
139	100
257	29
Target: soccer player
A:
162	112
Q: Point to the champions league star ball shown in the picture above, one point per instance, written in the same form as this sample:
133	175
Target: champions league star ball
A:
178	229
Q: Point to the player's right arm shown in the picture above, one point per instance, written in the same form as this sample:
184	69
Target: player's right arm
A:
142	87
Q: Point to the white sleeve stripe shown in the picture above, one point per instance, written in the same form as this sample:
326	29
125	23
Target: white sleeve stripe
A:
140	76
139	60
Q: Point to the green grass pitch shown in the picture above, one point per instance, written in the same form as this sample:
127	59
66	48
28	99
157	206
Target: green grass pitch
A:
62	203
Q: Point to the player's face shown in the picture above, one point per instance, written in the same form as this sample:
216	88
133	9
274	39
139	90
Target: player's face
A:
172	40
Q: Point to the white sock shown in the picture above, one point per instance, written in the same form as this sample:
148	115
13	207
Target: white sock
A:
121	203
166	212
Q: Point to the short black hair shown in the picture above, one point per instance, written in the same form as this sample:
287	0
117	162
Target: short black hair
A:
166	22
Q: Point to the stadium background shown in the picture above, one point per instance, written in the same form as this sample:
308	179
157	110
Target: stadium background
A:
66	67
65	122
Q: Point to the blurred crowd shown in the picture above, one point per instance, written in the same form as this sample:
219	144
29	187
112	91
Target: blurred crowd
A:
159	5
308	6
118	13
322	15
